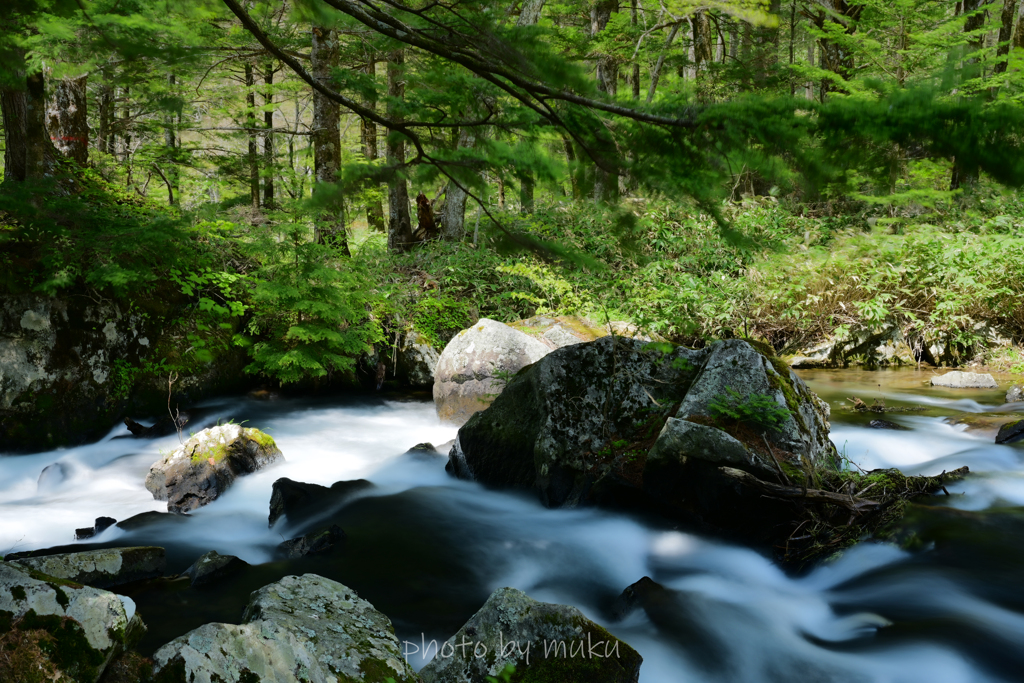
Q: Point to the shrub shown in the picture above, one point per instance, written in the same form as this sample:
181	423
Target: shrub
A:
760	410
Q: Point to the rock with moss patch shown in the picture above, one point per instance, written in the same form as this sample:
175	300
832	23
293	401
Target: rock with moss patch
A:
206	465
99	568
301	628
416	360
543	641
475	365
52	629
1011	432
577	425
733	365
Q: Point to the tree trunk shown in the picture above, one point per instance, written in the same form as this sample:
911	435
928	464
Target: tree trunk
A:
399	223
171	176
66	119
41	156
105	142
530	12
368	130
702	50
964	177
268	138
126	137
453	215
570	159
634	79
525	194
832	56
656	73
607	68
14	104
1007	19
330	226
250	124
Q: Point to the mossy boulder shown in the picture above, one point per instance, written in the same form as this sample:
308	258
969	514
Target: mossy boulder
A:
622	422
546	643
208	463
98	568
301	628
578	423
57	630
1011	432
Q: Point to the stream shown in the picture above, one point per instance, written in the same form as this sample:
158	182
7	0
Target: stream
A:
427	549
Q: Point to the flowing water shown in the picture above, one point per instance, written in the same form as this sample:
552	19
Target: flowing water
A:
427	549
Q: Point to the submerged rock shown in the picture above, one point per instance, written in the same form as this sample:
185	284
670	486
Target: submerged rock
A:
475	365
99	568
301	628
1011	432
885	424
319	542
52	629
543	641
299	501
206	465
213	567
965	380
51	477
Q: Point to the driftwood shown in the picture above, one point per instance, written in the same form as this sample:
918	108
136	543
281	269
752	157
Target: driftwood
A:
796	492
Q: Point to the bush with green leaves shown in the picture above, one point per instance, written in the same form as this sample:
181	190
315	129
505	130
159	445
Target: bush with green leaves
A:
759	410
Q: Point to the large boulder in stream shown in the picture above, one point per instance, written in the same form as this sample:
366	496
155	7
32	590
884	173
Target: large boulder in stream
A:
298	501
52	629
543	641
475	364
206	465
965	380
299	629
621	421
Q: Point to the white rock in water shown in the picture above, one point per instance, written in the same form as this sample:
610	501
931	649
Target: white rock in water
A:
965	380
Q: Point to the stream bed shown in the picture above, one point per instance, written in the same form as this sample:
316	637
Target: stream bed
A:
427	549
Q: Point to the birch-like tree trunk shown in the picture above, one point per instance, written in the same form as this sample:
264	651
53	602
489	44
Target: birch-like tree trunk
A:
66	119
105	135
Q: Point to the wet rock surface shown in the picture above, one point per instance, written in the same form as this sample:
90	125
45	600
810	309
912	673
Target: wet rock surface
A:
543	641
299	501
301	628
53	629
98	568
319	542
206	465
212	567
1011	432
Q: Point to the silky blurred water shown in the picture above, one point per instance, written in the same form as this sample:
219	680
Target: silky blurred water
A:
427	549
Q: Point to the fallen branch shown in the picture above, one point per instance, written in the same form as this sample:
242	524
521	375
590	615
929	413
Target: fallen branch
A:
794	492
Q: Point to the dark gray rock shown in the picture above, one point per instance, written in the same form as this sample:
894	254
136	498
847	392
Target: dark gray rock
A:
152	518
1011	432
99	568
563	425
319	542
299	629
213	567
203	468
300	501
101	525
416	360
885	424
512	628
